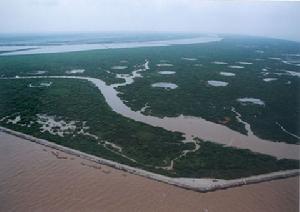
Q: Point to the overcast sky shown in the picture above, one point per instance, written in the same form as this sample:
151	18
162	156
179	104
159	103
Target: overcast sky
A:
273	19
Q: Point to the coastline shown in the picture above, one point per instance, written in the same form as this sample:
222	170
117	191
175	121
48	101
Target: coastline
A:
44	49
200	185
188	125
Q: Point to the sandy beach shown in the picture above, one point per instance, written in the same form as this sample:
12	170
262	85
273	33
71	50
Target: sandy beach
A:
38	178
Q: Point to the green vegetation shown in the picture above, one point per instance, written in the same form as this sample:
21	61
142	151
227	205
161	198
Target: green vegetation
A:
153	148
75	100
217	161
194	97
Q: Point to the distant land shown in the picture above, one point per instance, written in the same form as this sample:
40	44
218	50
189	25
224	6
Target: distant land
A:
192	106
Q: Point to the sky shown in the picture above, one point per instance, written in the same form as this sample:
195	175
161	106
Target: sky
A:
263	18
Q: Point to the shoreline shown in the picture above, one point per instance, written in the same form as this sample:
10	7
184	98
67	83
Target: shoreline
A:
189	126
200	185
48	49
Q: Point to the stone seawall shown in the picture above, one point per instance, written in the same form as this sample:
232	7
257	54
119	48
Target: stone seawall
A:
202	185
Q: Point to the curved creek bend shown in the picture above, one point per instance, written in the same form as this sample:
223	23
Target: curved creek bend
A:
190	126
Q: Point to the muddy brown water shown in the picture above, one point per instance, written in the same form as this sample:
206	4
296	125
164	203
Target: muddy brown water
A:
190	126
37	178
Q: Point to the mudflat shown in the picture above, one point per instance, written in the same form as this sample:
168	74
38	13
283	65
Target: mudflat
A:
37	178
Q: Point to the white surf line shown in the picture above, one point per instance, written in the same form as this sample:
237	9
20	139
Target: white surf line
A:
196	184
284	130
189	126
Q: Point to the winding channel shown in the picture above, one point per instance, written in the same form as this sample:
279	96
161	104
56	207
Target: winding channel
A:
190	126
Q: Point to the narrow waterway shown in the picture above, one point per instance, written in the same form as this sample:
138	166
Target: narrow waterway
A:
189	126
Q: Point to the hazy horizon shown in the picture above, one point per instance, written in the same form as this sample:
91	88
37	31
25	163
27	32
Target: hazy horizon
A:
259	18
